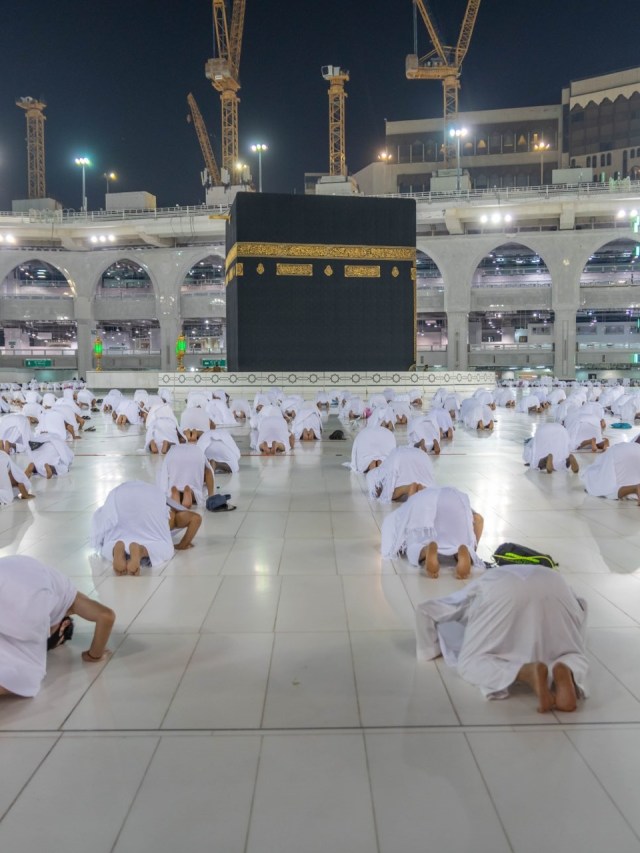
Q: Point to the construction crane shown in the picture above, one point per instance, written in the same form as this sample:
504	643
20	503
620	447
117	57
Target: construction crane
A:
223	71
34	113
203	139
443	62
336	77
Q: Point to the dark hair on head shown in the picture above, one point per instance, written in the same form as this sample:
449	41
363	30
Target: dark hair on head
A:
64	633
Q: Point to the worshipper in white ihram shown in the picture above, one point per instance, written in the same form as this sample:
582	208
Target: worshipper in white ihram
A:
273	436
371	446
424	434
221	450
615	474
517	623
35	604
15	432
434	522
13	482
549	449
186	475
49	456
193	422
307	424
135	524
404	472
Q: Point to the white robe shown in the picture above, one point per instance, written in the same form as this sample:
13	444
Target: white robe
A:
442	515
369	444
219	446
17	430
33	598
423	429
403	466
130	409
511	616
548	438
196	419
7	491
272	429
240	407
161	430
52	422
583	427
616	467
54	452
133	512
307	419
220	413
184	465
112	399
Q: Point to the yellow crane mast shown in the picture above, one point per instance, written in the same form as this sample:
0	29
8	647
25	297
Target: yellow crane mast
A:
336	78
34	113
444	62
223	72
203	139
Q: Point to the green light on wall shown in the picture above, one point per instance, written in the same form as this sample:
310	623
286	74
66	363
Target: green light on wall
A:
97	347
181	345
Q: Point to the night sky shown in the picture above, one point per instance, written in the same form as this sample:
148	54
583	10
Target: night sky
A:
115	76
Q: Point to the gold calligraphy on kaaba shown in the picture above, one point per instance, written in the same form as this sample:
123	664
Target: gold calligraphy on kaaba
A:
321	251
328	270
361	271
260	269
294	269
395	272
239	269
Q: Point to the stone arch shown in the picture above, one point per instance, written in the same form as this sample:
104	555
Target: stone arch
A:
596	244
26	274
126	260
529	246
212	258
612	263
428	270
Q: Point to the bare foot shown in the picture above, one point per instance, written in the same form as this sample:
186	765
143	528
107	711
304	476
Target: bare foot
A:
187	498
436	447
119	559
431	562
566	697
549	464
573	463
536	676
133	566
463	567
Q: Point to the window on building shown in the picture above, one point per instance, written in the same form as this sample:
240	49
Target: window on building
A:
573	162
608	159
603	160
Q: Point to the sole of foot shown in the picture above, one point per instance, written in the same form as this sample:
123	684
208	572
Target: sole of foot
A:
566	698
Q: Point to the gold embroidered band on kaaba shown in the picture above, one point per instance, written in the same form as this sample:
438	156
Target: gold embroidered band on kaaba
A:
319	251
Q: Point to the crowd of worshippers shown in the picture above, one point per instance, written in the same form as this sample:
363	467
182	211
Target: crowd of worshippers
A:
518	623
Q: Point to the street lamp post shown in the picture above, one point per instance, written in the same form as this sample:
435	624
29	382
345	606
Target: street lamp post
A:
541	146
83	162
458	133
109	176
258	148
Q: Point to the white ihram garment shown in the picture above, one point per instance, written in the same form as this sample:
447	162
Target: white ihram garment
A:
7	491
133	512
184	465
403	466
219	446
548	438
270	430
16	429
196	419
441	515
372	442
511	616
423	429
618	466
220	413
161	430
52	422
53	451
307	419
33	598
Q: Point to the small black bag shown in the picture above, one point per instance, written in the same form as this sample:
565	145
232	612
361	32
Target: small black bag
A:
510	552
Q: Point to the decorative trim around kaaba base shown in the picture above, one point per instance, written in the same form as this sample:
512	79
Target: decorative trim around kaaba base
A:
294	269
318	251
361	271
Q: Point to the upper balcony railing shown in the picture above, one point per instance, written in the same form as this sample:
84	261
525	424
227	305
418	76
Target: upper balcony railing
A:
623	189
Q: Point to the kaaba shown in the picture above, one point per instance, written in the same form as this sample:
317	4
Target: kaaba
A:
320	283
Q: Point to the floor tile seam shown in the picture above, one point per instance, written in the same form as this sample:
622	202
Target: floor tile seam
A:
57	736
135	796
253	795
162	579
600	784
179	683
489	794
371	797
98	675
400	729
268	676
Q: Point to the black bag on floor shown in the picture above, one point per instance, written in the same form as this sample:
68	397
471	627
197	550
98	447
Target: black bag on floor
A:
510	552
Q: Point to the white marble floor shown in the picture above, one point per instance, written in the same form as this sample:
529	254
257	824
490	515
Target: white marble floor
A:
264	695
